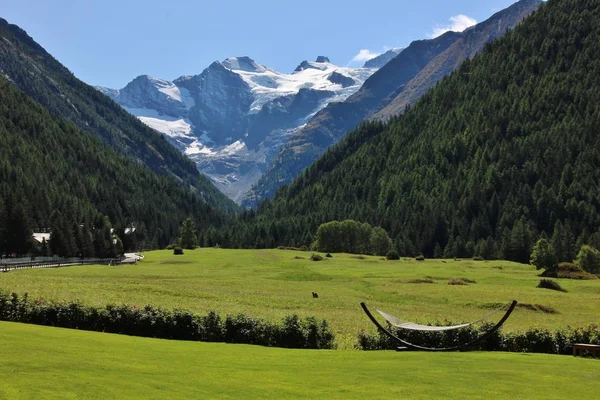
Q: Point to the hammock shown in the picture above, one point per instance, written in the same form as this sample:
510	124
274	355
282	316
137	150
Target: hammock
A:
395	321
398	323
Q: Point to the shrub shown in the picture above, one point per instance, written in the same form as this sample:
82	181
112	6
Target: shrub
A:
316	257
176	324
588	259
177	251
550	284
426	280
566	270
533	340
392	255
420	257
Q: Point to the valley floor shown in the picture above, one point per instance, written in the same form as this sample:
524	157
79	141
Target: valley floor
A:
52	363
272	284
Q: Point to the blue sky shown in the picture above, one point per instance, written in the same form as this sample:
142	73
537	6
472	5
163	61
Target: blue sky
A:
109	42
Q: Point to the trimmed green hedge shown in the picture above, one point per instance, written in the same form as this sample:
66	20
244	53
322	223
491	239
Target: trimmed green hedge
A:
292	332
534	340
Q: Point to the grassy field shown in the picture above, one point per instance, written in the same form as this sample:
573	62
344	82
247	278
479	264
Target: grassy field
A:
273	283
51	363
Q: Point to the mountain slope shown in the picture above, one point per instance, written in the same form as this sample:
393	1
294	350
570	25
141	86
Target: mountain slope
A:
26	64
232	118
400	81
503	150
382	59
472	41
48	164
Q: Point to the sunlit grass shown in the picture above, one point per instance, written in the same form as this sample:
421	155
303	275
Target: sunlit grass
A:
273	283
51	363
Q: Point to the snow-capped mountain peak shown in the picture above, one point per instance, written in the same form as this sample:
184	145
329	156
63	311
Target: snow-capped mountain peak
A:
322	63
243	64
235	116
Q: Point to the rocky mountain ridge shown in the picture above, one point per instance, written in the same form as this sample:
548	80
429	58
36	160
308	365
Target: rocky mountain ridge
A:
232	118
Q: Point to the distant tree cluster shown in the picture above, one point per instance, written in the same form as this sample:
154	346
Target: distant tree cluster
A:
545	256
352	237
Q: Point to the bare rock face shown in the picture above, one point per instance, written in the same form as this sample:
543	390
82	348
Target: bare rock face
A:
382	59
153	93
340	79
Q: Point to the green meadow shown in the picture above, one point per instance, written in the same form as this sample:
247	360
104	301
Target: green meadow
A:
271	284
51	363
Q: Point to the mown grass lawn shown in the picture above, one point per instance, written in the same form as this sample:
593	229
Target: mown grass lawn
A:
52	363
273	283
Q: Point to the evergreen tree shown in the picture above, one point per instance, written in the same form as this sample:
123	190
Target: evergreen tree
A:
18	237
60	235
562	242
3	228
117	245
188	238
87	249
44	250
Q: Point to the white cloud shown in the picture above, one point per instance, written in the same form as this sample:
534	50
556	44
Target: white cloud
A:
458	23
364	55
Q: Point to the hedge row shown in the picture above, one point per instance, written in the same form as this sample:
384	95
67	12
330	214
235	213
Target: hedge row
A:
148	321
534	340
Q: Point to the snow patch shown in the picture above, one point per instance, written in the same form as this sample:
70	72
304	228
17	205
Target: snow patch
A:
170	126
181	95
268	85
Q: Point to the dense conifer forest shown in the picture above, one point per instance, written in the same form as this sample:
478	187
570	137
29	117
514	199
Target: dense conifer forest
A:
55	176
500	153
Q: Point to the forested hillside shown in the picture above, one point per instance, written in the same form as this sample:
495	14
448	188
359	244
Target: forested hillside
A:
399	83
503	151
26	64
49	166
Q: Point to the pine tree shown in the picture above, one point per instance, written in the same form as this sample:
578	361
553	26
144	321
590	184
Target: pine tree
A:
188	238
18	236
3	227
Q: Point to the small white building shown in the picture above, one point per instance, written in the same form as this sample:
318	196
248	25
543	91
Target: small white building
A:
40	236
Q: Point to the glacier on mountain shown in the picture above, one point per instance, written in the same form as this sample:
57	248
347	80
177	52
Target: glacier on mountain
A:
233	118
